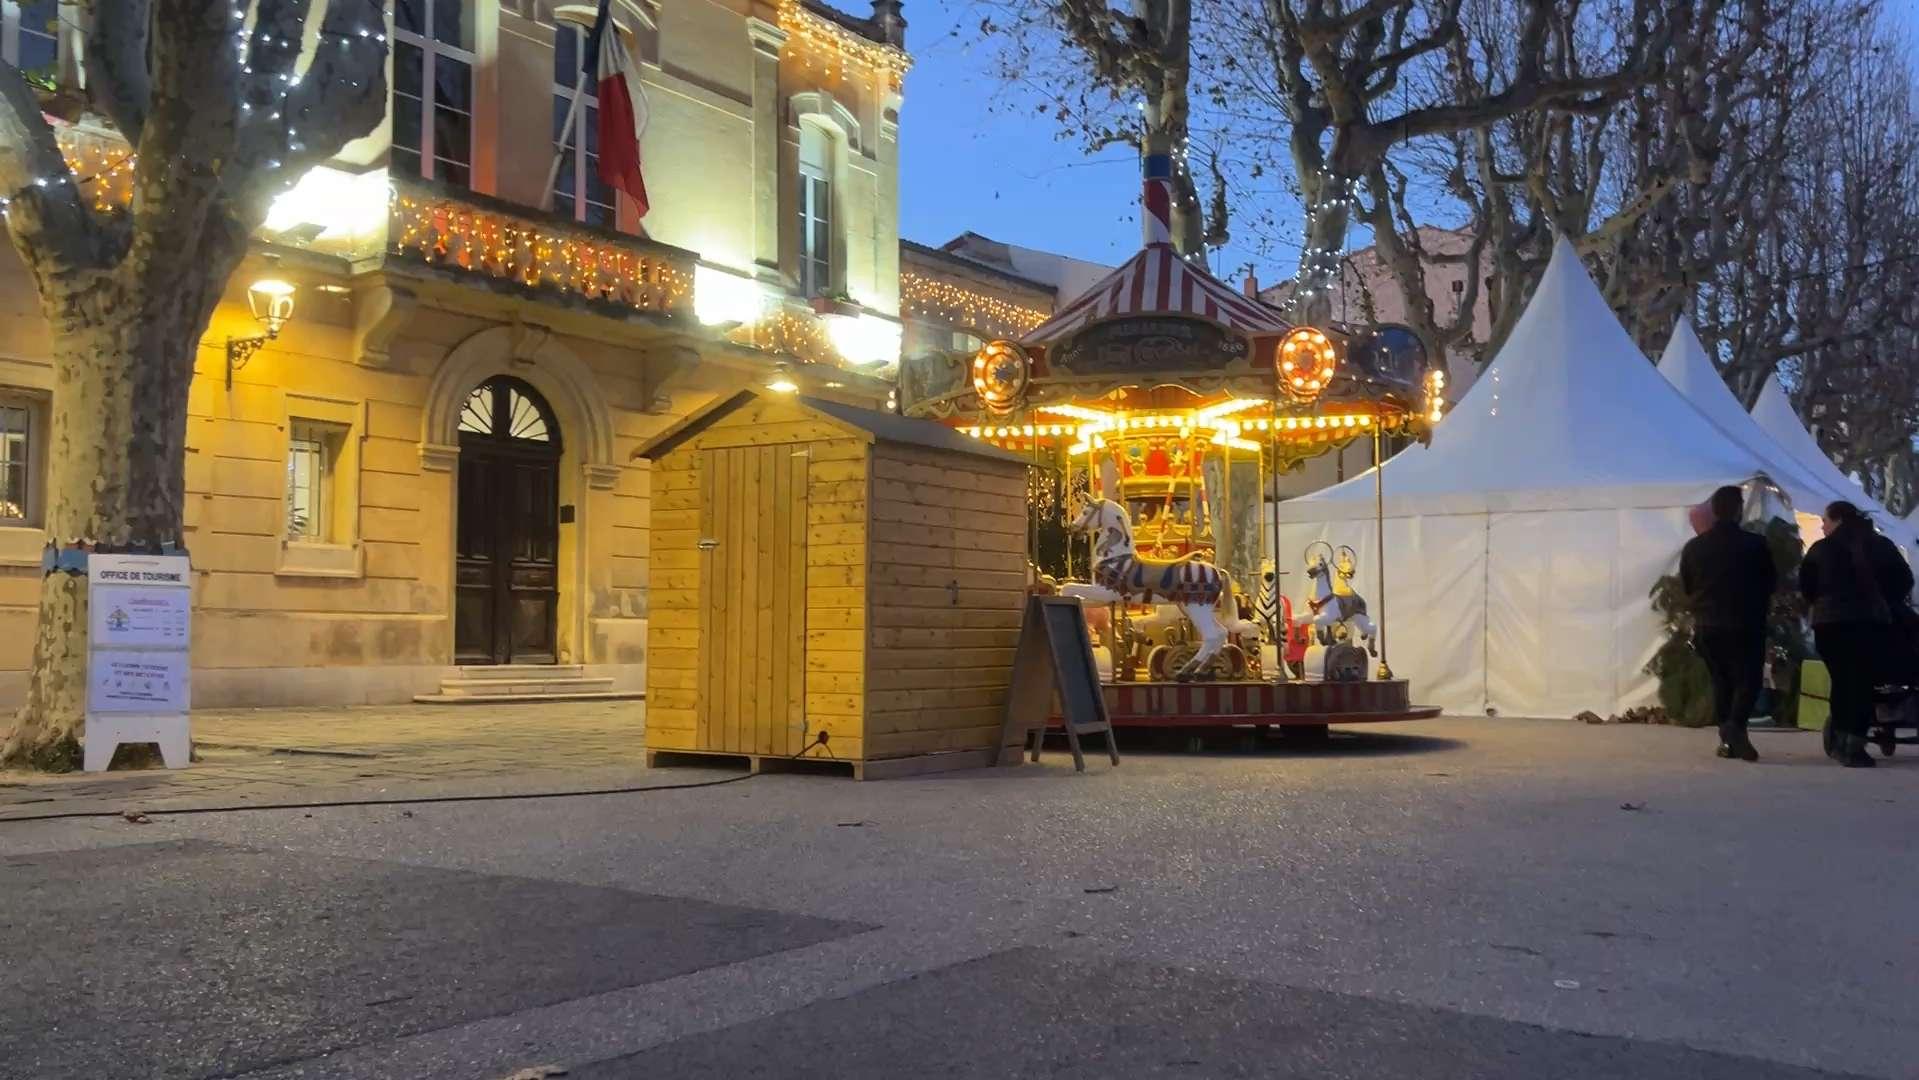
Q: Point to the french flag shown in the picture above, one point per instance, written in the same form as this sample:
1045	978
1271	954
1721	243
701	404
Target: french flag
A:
622	107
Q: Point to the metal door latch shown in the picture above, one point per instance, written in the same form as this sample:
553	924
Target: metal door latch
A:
707	543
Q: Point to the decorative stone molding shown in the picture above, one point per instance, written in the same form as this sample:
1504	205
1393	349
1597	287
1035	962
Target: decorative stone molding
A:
531	353
824	106
767	38
379	310
436	457
601	477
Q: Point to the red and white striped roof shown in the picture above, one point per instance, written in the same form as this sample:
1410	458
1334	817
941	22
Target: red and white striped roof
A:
1159	282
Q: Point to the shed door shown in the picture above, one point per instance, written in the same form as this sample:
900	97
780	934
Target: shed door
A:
752	689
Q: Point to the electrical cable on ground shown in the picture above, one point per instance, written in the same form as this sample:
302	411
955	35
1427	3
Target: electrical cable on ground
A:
421	800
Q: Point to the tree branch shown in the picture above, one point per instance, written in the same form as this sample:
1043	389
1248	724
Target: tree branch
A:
340	96
46	217
118	82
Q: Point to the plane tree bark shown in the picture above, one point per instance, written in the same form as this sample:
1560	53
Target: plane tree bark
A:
222	108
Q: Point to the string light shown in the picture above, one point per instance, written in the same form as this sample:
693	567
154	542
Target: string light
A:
445	232
923	297
832	51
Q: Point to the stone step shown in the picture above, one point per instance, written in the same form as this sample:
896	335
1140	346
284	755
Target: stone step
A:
520	671
518	699
524	685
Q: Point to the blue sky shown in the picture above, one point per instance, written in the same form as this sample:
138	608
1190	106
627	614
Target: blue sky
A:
1007	177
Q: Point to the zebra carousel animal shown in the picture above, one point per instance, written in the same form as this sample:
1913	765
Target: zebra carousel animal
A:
1338	615
1201	591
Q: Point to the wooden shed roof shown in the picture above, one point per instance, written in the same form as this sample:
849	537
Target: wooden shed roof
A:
882	426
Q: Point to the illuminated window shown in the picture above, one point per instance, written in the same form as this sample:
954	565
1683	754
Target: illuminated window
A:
30	37
816	210
433	89
313	458
578	191
17	459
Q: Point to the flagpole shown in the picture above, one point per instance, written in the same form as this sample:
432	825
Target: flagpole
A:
566	130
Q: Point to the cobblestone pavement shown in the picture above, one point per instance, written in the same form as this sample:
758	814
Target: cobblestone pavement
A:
271	756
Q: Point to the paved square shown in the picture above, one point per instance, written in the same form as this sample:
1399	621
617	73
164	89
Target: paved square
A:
1038	1013
191	959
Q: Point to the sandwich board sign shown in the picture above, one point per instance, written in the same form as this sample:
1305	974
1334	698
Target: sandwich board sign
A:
139	632
1054	661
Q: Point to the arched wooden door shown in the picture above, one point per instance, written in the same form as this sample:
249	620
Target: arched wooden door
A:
506	577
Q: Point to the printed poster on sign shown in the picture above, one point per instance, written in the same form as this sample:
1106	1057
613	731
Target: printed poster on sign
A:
126	616
144	682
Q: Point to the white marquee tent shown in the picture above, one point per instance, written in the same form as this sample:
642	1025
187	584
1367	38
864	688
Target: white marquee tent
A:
1686	366
1521	545
1774	414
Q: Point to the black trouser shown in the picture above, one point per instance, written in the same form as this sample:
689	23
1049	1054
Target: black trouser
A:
1850	651
1736	660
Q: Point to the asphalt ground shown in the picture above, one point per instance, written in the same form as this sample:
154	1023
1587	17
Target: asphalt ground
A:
1462	897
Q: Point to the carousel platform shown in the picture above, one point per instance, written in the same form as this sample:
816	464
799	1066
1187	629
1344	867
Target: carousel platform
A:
1261	704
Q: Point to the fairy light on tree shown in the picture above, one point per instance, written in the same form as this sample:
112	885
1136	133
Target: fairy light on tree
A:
228	109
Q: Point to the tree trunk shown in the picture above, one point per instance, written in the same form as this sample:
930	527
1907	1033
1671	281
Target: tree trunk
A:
115	468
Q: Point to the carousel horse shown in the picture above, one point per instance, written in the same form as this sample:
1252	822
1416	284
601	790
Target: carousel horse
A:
1334	604
1199	589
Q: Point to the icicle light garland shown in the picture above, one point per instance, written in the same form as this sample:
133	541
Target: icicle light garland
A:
925	297
445	232
834	52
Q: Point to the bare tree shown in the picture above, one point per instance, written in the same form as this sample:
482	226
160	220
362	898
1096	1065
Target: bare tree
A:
224	109
1140	55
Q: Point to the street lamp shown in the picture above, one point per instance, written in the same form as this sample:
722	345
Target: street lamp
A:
272	302
782	380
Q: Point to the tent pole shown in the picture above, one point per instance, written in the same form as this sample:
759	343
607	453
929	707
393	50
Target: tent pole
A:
1379	518
1279	603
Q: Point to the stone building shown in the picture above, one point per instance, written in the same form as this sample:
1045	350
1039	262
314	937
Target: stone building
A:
429	470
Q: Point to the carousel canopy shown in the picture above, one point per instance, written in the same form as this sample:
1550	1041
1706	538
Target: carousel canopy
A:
1158	282
1568	415
1773	414
1686	366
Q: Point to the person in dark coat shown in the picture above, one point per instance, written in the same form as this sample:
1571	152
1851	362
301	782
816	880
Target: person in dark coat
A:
1855	582
1729	576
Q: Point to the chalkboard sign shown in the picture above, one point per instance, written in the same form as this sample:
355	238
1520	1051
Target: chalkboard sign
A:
1054	661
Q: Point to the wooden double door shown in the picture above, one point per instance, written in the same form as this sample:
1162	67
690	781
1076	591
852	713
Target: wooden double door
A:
506	573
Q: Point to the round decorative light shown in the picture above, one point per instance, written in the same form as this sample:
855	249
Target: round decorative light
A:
1305	362
1000	374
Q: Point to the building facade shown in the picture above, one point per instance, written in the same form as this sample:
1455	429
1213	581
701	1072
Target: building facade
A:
432	463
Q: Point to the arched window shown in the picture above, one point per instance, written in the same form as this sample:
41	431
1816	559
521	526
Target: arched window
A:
505	409
816	210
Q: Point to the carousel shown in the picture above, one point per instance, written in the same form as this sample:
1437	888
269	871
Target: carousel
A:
1156	411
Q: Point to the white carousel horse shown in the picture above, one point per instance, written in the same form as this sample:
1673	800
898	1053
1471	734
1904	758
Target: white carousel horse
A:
1200	590
1334	603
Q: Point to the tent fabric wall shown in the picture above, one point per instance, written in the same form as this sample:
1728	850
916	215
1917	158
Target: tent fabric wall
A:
1524	542
1537	613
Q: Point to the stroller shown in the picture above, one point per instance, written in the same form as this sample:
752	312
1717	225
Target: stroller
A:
1895	721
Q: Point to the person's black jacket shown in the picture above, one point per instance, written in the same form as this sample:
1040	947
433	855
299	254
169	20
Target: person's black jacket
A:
1729	576
1854	576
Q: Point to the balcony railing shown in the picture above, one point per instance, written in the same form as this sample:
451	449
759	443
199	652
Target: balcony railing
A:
488	237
